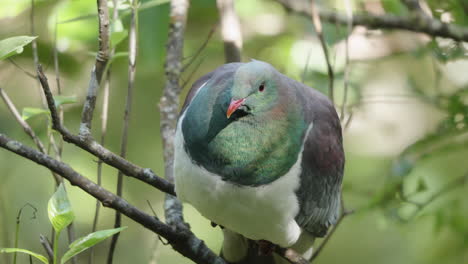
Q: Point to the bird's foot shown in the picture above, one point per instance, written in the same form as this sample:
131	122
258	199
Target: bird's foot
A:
265	248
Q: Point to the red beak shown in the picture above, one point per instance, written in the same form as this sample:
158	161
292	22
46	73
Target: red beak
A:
233	106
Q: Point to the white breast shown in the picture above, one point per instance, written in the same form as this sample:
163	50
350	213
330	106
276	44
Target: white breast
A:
264	212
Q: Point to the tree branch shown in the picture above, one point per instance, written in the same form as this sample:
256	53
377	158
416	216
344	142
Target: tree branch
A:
47	247
183	241
132	54
230	30
169	104
318	30
26	127
102	58
104	115
93	147
413	22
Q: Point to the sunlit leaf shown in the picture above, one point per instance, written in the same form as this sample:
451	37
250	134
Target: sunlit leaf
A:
394	7
13	46
20	250
59	209
29	112
61	100
81	244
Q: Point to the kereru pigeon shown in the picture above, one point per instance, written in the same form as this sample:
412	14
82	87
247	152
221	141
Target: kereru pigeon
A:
261	155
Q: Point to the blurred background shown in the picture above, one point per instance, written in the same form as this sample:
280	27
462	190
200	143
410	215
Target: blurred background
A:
405	123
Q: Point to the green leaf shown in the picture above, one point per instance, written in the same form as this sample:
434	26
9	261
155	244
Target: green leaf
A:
61	100
59	209
83	243
395	7
118	33
14	45
29	112
12	250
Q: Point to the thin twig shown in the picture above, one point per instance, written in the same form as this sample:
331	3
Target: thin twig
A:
183	241
58	148
349	14
169	104
47	247
34	46
318	29
18	224
93	147
202	47
230	30
21	69
27	129
132	54
98	150
57	81
304	73
415	23
343	214
102	58
104	116
197	66
5	226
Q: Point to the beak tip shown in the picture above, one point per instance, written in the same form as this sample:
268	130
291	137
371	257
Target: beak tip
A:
233	106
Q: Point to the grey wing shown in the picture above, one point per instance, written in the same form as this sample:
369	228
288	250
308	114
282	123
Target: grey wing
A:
322	166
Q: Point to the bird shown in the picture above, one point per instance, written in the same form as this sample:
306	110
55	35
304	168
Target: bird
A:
261	155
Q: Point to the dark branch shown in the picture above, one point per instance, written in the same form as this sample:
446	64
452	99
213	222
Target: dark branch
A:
93	147
27	129
318	30
413	22
183	241
132	54
102	58
47	247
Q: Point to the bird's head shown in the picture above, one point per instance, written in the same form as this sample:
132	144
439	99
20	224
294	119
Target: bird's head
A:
255	89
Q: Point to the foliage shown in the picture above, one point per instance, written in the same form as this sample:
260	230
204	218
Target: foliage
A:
61	215
14	45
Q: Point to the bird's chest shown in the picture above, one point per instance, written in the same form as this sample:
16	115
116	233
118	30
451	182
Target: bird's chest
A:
261	212
247	152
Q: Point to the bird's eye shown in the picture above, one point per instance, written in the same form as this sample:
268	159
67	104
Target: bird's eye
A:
261	88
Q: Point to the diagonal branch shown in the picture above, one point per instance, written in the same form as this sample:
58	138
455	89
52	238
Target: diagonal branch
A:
318	30
413	22
26	128
183	241
93	147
